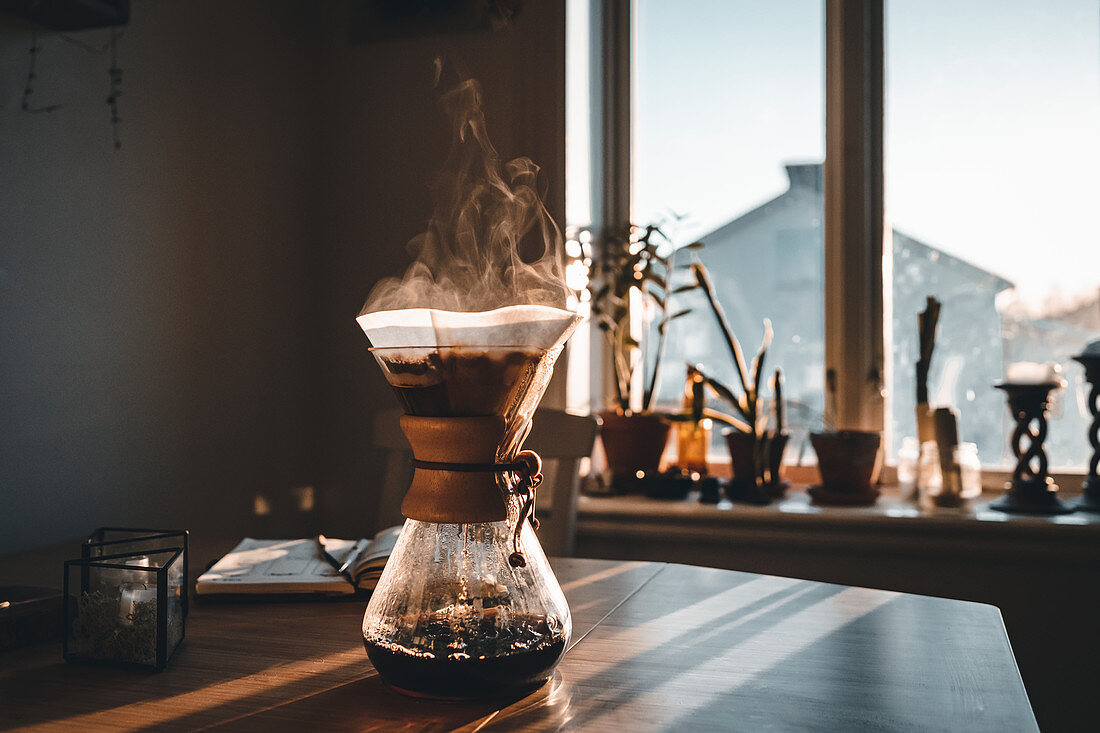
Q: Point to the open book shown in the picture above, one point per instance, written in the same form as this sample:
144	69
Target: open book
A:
318	565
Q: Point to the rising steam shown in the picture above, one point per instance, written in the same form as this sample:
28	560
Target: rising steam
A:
485	215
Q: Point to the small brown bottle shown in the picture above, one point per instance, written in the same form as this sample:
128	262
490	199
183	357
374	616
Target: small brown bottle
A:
693	436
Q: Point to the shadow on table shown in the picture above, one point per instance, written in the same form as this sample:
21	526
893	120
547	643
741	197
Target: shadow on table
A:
651	681
909	659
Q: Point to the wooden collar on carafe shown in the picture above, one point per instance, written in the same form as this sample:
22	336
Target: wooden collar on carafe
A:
455	478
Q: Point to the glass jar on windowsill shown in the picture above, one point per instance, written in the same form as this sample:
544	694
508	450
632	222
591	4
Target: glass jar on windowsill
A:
963	482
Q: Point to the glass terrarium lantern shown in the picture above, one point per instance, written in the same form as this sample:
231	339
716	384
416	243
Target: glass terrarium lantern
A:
125	609
122	540
467	606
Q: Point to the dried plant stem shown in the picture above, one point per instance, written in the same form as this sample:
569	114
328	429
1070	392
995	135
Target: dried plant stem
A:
777	389
651	389
749	407
731	341
622	374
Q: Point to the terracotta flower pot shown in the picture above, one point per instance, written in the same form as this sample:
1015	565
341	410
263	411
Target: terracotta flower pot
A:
741	460
633	442
741	446
848	460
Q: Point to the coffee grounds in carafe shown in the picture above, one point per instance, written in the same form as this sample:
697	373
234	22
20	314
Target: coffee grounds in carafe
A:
480	660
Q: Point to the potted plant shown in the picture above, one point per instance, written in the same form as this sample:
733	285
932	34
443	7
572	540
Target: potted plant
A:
630	289
755	451
849	461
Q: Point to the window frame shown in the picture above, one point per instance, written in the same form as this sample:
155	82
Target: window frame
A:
858	263
855	337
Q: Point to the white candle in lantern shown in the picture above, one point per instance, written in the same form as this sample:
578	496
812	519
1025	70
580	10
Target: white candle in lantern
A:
134	590
134	577
130	595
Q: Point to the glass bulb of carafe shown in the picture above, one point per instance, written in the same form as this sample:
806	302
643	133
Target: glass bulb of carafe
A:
452	619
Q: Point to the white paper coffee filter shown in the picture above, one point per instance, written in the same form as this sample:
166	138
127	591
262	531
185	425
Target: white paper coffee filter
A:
538	326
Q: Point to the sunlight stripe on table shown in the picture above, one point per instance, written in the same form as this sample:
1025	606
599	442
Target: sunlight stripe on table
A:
292	681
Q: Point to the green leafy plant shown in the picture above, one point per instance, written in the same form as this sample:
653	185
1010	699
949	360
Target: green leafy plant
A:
751	418
631	288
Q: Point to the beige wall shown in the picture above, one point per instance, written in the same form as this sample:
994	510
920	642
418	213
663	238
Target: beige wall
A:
177	318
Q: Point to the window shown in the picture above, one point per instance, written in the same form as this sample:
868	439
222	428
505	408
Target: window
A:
992	180
727	143
729	134
991	175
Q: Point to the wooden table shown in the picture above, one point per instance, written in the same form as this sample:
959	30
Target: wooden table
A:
655	647
1043	573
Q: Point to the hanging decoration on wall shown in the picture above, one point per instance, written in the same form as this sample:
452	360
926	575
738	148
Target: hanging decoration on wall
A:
32	75
114	71
116	86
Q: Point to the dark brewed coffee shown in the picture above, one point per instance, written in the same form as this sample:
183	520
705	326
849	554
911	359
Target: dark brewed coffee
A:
456	382
485	662
430	400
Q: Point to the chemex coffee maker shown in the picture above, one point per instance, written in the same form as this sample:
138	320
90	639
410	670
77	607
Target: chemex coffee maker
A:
467	606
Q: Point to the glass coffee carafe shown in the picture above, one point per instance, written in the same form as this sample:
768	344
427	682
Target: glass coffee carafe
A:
467	606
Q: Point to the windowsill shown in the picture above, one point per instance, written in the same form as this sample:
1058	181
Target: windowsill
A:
993	478
891	523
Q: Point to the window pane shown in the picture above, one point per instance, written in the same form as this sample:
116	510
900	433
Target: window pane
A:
578	190
729	133
578	153
992	155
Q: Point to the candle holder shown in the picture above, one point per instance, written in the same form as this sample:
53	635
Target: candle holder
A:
124	610
1031	490
1090	498
123	540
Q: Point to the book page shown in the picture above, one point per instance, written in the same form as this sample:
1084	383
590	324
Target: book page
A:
379	549
273	566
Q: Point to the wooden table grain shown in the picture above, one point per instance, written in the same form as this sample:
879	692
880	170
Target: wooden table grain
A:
656	647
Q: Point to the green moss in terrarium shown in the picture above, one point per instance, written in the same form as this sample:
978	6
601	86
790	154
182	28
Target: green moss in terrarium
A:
100	632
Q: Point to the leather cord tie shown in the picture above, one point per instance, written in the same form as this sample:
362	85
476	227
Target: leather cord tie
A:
528	466
470	467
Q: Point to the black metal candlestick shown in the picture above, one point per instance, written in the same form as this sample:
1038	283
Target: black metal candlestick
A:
1031	490
1090	498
